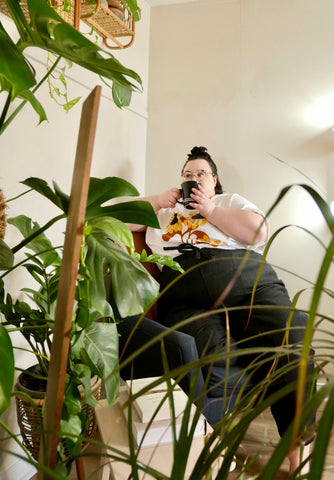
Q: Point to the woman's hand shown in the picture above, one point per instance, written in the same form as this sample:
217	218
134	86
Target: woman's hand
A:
202	203
245	226
168	198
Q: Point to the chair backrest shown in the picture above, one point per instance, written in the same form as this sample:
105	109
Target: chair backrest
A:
140	245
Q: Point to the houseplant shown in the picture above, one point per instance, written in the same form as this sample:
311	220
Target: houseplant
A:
94	343
230	432
48	31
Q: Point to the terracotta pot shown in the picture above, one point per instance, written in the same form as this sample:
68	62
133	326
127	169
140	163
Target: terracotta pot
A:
116	8
29	415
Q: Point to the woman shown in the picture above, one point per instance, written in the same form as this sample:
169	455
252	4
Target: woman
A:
222	227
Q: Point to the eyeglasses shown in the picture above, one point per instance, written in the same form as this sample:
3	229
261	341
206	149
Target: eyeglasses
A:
199	175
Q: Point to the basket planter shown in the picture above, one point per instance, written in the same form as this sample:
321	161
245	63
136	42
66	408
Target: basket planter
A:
29	414
114	23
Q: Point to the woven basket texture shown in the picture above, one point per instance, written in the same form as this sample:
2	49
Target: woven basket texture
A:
29	420
86	8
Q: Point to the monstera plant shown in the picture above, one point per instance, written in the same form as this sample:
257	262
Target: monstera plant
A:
49	32
107	249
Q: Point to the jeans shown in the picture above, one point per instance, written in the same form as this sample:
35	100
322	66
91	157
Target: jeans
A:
220	272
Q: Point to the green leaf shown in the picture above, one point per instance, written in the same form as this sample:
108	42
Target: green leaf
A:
6	256
101	340
72	401
16	73
138	212
43	188
135	10
71	427
40	245
121	95
7	371
62	39
132	288
115	229
30	97
103	189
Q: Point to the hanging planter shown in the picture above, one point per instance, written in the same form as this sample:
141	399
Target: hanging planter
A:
113	22
29	414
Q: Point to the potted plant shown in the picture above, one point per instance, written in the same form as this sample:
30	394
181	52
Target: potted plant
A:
48	31
107	249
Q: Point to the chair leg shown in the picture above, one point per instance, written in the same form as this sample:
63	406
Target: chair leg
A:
80	469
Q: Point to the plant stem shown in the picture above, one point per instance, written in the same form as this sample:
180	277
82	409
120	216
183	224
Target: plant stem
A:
5	124
14	437
38	232
5	108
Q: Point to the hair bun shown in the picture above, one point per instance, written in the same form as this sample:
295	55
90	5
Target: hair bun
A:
197	151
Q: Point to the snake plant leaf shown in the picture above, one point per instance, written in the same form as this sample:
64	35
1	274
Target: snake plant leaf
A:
132	288
6	256
7	372
101	346
16	73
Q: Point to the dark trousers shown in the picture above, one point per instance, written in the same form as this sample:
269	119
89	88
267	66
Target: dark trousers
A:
196	291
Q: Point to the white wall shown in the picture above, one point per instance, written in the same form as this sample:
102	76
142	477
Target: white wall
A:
48	151
246	78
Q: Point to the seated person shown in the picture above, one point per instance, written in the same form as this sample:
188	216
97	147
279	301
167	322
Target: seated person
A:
222	227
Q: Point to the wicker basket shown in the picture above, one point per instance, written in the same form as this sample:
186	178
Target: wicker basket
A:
100	17
28	418
78	9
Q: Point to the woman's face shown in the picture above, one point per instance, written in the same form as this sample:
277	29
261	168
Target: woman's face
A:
208	180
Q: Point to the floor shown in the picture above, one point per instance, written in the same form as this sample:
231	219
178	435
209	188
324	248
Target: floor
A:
262	428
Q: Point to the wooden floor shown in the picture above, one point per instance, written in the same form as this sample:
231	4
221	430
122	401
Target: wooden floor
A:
262	429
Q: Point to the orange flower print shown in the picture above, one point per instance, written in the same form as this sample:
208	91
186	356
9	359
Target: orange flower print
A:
187	230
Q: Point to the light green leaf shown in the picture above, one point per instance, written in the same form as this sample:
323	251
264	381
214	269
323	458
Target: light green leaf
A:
121	95
30	97
101	340
7	370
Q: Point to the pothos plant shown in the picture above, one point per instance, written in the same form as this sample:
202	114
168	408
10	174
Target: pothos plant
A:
107	249
49	32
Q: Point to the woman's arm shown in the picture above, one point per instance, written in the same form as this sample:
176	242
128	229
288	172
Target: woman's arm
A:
242	225
165	199
245	226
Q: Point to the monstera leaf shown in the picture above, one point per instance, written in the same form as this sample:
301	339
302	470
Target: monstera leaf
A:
48	31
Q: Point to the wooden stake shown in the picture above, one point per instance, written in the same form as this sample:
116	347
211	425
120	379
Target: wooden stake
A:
67	282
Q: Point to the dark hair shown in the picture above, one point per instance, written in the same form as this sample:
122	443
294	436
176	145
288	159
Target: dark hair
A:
202	153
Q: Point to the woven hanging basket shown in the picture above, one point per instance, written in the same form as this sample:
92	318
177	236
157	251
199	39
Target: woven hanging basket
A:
120	32
76	10
29	419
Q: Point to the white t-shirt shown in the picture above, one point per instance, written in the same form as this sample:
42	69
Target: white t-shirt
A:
180	225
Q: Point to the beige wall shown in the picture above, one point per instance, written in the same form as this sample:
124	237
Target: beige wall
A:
242	77
48	151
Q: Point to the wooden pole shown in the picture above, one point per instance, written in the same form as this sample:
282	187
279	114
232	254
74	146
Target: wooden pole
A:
67	282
